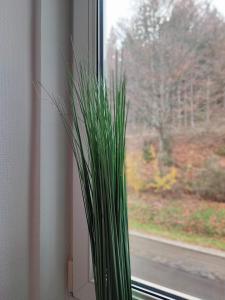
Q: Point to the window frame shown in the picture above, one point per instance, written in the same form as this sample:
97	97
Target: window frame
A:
85	49
88	43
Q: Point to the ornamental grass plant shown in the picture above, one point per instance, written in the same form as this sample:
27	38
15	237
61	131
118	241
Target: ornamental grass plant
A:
96	128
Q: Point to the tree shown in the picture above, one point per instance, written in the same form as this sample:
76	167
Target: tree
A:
170	50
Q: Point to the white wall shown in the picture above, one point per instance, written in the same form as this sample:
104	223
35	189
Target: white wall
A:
34	166
15	106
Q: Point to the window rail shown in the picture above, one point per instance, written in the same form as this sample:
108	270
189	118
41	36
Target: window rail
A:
143	290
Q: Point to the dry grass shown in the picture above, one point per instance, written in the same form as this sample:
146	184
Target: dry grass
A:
180	212
193	219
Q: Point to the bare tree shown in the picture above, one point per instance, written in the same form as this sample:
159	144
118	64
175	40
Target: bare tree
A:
170	53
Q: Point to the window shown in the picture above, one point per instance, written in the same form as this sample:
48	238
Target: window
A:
173	55
174	59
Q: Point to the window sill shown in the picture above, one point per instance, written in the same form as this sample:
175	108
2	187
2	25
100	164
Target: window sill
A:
143	290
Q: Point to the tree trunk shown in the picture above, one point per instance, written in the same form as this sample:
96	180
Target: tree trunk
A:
207	103
179	107
192	105
164	155
185	111
224	100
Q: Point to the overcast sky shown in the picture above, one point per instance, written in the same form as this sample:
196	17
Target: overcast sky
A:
116	9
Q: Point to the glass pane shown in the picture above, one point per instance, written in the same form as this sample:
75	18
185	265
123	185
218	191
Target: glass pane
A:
173	54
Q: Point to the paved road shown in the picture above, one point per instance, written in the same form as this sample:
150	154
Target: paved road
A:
197	273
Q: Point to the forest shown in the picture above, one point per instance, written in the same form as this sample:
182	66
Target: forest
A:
173	55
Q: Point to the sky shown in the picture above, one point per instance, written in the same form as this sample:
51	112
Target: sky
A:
116	9
220	4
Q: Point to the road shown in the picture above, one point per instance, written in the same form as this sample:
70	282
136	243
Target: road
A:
197	272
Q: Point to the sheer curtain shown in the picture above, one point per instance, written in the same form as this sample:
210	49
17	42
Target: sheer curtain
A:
34	154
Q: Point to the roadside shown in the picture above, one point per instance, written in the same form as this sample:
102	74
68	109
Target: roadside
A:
182	198
197	222
195	271
206	263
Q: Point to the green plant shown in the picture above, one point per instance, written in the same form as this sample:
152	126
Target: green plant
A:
165	150
203	222
164	182
142	176
148	152
136	179
210	183
97	135
221	151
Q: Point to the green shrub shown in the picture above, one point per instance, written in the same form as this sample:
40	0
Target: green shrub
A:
210	183
221	151
167	160
148	152
165	156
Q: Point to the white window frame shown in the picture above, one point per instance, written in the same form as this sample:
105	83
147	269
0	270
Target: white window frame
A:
85	49
85	42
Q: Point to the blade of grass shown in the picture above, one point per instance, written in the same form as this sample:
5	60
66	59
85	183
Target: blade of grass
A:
96	129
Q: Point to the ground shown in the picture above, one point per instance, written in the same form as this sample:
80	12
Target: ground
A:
186	202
